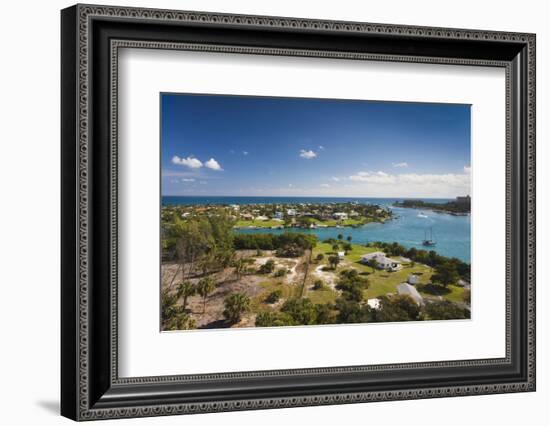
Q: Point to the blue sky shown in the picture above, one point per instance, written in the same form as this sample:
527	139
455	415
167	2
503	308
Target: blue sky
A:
239	145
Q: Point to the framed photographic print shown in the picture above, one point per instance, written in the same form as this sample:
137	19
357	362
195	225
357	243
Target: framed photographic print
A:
263	212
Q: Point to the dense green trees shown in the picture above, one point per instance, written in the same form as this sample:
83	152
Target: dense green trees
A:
201	242
274	242
297	311
445	310
352	285
397	308
445	273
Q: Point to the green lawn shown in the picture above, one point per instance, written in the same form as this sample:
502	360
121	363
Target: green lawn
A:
323	296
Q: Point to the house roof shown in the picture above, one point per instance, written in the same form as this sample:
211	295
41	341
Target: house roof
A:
373	254
409	290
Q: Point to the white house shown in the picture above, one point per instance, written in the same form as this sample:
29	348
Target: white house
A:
291	212
409	290
382	261
413	279
340	216
278	215
264	218
341	254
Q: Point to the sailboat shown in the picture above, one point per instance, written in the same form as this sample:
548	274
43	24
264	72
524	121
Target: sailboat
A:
428	241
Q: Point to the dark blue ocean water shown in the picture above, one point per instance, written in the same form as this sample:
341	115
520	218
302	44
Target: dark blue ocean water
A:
452	233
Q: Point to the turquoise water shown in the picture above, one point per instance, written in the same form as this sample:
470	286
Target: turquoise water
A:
452	233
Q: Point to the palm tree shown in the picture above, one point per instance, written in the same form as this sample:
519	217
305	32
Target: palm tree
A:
349	238
340	236
235	305
204	287
186	289
240	265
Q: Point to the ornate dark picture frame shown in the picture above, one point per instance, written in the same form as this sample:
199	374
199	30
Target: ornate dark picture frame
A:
91	37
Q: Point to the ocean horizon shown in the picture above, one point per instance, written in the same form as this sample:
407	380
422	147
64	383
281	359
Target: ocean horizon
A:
171	200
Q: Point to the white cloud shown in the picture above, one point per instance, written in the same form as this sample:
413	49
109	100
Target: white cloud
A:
203	182
321	147
290	185
308	155
324	185
468	169
245	152
379	183
402	164
213	164
191	162
335	179
188	180
373	177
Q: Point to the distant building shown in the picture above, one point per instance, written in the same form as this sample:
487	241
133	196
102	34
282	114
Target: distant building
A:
340	216
278	215
409	290
291	212
341	254
464	200
262	218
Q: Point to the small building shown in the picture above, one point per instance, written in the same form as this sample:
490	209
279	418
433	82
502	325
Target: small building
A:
278	215
247	216
291	212
405	289
382	261
388	264
263	218
374	303
340	216
341	254
413	279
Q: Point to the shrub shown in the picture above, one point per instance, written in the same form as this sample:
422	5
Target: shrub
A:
320	257
267	267
280	273
274	296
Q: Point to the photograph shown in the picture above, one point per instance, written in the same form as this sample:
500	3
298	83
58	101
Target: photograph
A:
279	211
